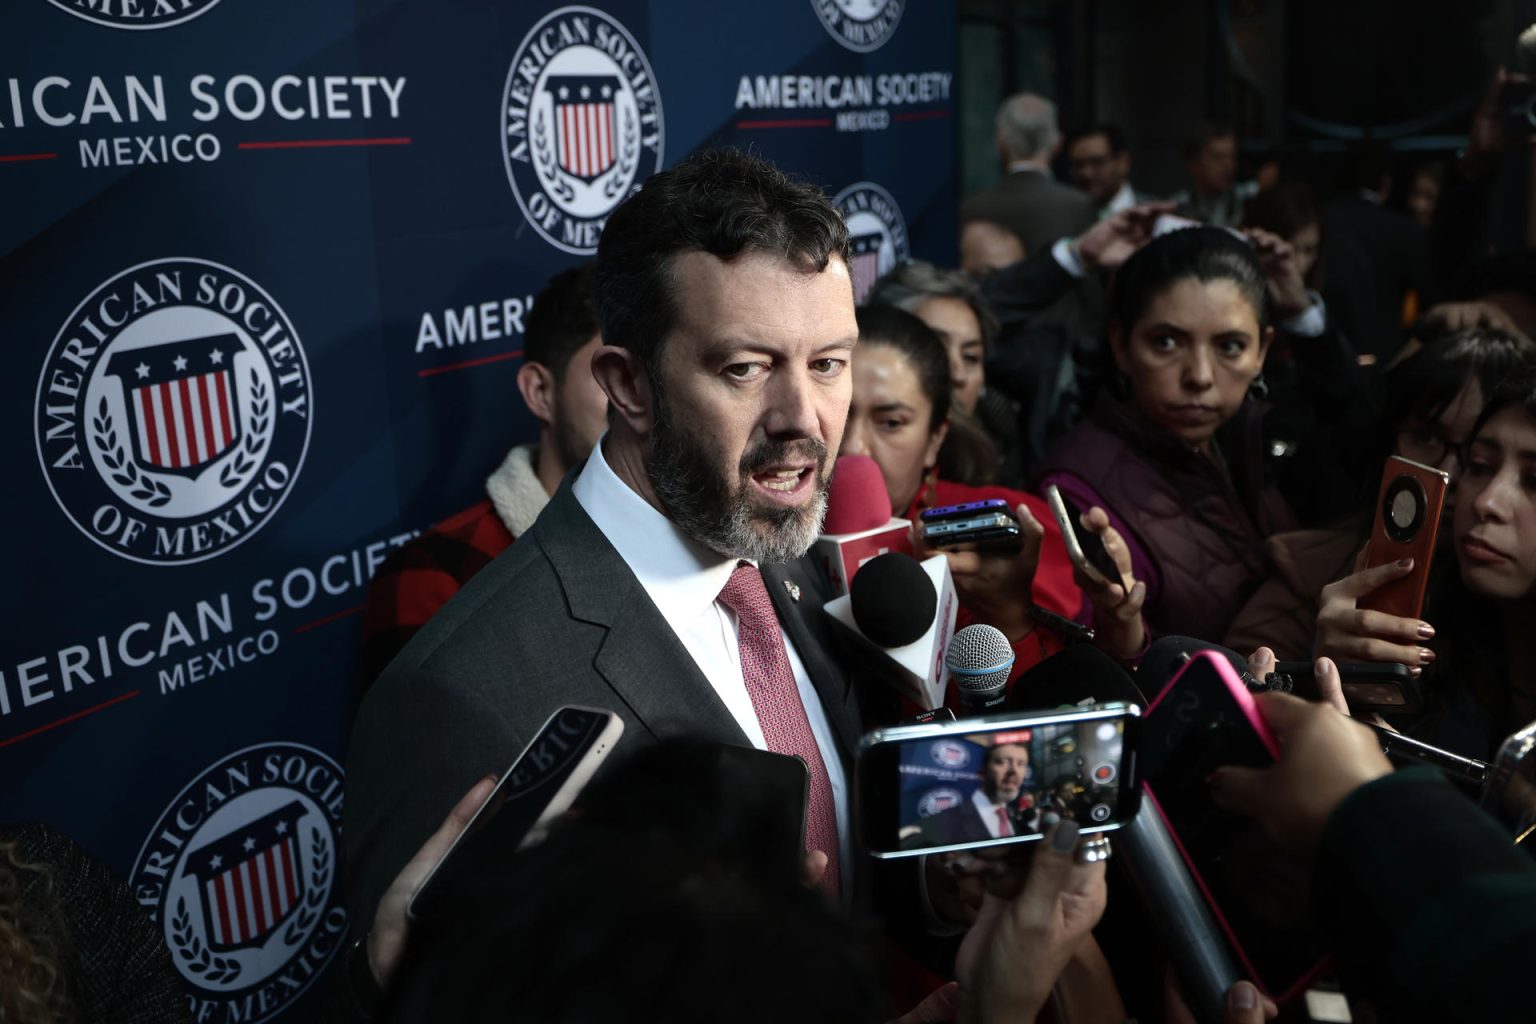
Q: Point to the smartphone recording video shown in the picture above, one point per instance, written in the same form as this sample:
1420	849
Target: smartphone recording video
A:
996	780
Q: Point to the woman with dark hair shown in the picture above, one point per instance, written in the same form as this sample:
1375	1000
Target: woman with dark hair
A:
950	302
899	416
1432	402
1474	653
1176	459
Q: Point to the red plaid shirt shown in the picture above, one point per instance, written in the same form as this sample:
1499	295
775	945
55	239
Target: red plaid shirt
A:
417	580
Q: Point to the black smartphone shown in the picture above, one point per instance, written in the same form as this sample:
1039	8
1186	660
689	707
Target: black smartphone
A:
1206	718
1084	547
989	531
540	786
994	780
965	510
775	787
1385	687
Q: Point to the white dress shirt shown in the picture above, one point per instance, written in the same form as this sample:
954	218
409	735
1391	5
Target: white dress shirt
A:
1121	200
683	579
988	811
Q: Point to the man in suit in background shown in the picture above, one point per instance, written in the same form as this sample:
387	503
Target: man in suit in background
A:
993	811
1028	201
1100	164
664	581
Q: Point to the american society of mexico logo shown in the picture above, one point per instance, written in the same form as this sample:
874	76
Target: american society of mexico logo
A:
173	411
240	874
860	25
581	124
877	233
139	14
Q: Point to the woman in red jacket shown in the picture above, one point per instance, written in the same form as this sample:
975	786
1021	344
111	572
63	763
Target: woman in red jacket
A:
899	417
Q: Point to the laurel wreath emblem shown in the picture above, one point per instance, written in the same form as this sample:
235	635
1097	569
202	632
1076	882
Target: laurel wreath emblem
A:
199	959
314	900
628	152
544	151
120	466
238	469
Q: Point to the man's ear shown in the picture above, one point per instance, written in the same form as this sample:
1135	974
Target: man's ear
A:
621	375
536	382
1117	346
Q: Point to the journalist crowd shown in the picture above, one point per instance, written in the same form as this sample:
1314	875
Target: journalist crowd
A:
1212	380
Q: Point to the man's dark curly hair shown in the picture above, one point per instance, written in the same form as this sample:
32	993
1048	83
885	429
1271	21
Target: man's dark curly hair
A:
724	202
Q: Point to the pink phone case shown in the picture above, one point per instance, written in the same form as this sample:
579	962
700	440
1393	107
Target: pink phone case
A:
1244	700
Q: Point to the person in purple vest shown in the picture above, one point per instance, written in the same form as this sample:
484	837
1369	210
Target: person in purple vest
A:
1172	451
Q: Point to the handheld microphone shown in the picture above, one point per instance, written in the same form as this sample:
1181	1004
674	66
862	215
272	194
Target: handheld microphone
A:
900	615
1168	655
1078	675
978	659
858	527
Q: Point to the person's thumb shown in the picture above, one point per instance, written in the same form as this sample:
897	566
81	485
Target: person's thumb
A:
1244	1005
1050	871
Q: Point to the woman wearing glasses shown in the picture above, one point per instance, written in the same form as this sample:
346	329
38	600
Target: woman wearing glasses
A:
1433	399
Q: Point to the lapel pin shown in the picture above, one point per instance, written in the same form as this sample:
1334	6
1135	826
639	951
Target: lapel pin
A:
793	588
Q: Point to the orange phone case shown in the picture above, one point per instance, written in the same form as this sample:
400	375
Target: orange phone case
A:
1407	523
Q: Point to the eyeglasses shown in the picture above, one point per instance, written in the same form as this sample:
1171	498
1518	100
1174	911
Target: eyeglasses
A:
1428	445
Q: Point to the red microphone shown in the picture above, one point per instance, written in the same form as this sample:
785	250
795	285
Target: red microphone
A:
858	525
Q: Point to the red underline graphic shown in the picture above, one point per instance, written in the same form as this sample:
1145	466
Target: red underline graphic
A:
435	370
19	157
803	122
920	115
328	619
72	718
323	143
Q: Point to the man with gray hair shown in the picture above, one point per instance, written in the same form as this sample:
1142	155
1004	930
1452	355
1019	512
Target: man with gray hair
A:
1028	201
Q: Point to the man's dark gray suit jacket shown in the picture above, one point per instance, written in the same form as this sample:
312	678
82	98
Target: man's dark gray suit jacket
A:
558	618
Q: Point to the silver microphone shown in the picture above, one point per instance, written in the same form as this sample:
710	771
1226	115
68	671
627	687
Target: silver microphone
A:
979	658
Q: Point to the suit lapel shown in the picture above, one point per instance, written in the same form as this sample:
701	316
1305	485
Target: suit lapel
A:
641	659
798	603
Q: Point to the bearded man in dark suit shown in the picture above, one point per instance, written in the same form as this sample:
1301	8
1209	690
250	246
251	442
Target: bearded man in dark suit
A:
664	581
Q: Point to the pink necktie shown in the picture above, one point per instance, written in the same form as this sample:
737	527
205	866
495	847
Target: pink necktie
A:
776	699
1004	827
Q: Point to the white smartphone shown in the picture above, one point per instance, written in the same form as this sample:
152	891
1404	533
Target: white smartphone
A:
540	786
1084	547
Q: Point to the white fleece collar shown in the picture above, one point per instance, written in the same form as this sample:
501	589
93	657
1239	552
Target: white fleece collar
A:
515	491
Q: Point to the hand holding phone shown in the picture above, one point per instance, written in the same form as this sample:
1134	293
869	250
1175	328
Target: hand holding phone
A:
994	584
987	525
1406	528
539	786
995	780
1085	547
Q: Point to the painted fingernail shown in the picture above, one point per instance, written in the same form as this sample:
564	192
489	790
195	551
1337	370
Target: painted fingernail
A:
1426	631
1426	656
1065	836
1415	671
1244	996
1405	563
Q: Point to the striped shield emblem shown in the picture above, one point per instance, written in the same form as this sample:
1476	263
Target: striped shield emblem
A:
182	401
584	123
866	264
250	880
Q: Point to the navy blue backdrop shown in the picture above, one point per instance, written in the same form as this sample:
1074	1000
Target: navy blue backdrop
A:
263	274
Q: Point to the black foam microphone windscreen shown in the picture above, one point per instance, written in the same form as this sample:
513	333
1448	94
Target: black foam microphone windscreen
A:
893	600
1081	672
1166	656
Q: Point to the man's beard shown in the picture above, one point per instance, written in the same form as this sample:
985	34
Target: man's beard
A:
702	504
